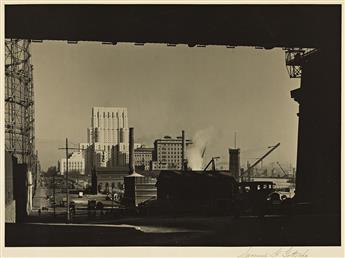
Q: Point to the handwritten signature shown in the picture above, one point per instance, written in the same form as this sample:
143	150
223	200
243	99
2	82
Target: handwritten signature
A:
280	252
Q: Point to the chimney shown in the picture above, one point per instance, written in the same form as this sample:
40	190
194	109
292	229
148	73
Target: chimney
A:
131	150
234	163
183	151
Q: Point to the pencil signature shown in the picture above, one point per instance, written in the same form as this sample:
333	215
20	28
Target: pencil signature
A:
280	252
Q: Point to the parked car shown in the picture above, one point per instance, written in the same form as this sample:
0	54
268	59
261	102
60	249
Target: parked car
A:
273	204
91	204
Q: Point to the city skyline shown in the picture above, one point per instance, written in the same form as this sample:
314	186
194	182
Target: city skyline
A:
191	89
171	126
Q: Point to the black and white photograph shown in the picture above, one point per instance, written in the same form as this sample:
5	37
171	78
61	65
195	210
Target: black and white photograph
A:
213	127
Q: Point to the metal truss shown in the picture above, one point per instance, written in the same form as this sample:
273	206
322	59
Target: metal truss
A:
19	101
294	58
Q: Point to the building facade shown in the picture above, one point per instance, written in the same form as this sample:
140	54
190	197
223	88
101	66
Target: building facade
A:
143	158
168	153
111	179
76	162
107	138
138	189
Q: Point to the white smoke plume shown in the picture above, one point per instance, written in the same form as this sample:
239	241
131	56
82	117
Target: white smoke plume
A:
195	151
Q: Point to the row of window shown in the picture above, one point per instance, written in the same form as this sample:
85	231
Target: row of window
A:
256	187
142	155
169	157
112	114
169	152
170	147
73	164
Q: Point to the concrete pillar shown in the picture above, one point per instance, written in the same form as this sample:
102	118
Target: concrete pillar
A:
319	142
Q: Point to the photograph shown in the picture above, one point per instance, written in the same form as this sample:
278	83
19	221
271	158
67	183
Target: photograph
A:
172	125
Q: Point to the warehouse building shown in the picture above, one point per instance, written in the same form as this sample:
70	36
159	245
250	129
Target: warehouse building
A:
196	190
139	188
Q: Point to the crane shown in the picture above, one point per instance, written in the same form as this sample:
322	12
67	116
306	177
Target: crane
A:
203	152
249	169
213	161
285	174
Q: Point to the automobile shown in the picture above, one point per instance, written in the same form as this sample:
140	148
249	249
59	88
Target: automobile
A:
109	197
252	198
99	205
91	204
273	203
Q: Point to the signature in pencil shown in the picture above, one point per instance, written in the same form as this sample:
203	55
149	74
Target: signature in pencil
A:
280	252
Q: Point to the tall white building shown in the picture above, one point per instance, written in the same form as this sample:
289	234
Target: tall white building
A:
108	138
108	125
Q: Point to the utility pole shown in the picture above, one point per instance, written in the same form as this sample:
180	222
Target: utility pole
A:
67	188
37	172
112	199
54	195
68	217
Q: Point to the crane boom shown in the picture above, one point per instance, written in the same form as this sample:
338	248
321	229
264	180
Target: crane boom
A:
212	161
203	152
260	159
285	174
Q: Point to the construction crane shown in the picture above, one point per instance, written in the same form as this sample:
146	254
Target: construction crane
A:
203	152
249	169
213	162
285	174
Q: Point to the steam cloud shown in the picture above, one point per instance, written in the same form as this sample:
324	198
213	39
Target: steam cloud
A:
195	151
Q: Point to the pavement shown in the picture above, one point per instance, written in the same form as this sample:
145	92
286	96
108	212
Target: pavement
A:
119	229
40	199
302	230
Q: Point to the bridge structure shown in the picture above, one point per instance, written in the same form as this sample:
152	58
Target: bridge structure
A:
295	28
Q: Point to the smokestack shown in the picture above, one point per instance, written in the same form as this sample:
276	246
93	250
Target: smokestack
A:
131	150
183	151
234	163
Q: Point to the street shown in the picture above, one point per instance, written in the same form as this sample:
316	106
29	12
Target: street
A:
177	231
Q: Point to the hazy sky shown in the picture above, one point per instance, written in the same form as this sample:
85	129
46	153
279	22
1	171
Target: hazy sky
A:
167	89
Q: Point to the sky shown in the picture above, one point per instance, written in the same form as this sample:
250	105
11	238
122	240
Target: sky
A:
213	91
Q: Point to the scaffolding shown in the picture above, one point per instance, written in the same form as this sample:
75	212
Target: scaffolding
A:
294	58
19	102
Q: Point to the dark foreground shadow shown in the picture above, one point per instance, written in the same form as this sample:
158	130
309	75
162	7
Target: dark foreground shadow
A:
313	230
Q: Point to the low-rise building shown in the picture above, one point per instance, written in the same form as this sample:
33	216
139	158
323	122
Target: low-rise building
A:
167	153
110	179
76	162
143	158
196	191
139	188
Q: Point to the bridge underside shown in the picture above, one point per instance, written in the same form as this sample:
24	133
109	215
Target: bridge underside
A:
313	26
237	25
